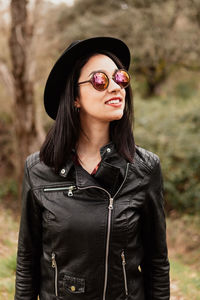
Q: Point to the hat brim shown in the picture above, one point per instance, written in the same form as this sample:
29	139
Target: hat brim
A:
58	74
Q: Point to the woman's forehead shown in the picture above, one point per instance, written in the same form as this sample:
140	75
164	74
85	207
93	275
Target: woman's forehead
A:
99	62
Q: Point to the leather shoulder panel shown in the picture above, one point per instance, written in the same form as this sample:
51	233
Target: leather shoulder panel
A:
33	159
146	158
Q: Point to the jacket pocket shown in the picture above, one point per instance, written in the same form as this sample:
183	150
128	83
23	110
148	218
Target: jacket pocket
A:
124	272
73	285
68	189
54	266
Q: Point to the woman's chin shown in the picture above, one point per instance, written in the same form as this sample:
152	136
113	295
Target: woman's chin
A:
116	116
108	117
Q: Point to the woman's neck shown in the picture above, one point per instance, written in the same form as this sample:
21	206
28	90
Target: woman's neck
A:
93	136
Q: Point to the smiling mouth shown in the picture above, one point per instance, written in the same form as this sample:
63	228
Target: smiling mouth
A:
113	101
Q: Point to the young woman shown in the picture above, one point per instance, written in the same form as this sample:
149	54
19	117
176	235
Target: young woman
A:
93	223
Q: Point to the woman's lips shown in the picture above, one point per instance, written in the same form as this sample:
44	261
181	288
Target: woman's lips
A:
115	102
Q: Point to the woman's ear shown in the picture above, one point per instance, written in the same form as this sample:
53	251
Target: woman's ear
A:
77	103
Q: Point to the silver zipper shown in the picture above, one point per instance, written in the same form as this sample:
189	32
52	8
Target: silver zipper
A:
54	265
63	188
124	272
110	208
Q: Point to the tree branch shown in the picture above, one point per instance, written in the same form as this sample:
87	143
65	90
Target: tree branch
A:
7	79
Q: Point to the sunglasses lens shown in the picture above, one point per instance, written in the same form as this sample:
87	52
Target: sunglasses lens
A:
100	81
122	78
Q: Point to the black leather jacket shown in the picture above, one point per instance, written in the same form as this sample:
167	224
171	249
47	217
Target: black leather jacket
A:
98	237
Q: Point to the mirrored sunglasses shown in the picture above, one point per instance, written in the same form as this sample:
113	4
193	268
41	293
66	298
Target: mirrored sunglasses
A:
100	80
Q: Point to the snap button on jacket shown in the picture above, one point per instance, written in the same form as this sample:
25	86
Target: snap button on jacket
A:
100	237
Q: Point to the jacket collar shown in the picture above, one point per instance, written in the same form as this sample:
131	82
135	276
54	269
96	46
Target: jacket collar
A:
109	174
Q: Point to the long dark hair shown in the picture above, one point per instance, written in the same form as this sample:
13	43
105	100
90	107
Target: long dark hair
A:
63	135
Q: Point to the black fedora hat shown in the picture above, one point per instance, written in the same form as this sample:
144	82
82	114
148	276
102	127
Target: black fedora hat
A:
58	74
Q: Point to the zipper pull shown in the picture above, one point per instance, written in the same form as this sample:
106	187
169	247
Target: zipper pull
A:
71	188
53	259
111	204
123	258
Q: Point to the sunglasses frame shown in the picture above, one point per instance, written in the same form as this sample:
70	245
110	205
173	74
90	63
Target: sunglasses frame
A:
113	78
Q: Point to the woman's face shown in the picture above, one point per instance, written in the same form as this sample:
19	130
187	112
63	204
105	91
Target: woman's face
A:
94	104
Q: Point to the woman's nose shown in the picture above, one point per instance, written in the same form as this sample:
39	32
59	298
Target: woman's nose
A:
113	86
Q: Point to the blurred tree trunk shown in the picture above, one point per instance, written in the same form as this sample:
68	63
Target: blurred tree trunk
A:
27	133
155	76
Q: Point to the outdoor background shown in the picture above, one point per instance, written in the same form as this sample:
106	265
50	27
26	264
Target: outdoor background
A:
164	39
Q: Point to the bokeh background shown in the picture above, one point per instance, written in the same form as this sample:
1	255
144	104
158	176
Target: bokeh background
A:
164	39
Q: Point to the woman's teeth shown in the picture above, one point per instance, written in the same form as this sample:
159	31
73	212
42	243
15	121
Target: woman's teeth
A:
113	101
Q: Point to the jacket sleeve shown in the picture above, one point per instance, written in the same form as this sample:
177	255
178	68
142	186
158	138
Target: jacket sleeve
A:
155	267
29	245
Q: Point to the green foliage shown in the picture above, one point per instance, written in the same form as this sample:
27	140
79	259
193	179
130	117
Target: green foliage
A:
185	89
183	232
7	277
187	279
8	266
170	128
5	118
8	187
139	24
